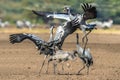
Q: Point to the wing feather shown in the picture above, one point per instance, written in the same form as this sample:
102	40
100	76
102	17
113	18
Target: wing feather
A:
18	38
90	11
63	16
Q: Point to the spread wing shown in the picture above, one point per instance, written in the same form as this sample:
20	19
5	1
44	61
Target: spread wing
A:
18	38
90	11
48	15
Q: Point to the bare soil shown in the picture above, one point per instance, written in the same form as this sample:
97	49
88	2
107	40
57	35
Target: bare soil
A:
22	61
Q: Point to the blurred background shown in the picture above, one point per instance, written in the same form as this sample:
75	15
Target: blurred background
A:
12	11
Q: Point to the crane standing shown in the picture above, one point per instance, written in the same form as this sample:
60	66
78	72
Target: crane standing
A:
84	55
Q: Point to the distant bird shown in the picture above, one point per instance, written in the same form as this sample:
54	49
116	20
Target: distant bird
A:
85	56
4	24
73	22
104	24
24	23
19	24
107	24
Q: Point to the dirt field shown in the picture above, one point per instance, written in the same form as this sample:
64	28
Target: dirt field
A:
22	61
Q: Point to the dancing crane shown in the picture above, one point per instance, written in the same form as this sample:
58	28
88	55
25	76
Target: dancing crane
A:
85	56
40	44
73	22
61	56
45	47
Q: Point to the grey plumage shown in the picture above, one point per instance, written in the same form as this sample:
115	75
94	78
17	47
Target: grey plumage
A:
40	43
73	22
61	56
85	56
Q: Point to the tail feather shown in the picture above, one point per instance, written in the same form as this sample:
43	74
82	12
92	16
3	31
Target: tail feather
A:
90	62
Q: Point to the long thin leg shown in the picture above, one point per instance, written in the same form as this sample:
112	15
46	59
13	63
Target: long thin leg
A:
87	70
43	64
54	65
86	40
85	36
85	45
87	67
81	69
62	67
47	66
69	67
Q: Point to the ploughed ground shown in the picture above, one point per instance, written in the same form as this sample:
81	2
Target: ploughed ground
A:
22	61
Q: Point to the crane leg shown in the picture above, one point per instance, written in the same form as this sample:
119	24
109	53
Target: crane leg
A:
87	70
81	69
43	64
54	65
62	67
85	35
47	67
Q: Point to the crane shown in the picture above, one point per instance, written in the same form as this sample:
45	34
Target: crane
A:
84	55
72	23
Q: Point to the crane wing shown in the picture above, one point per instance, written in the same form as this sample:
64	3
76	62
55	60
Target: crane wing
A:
63	16
90	11
18	38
